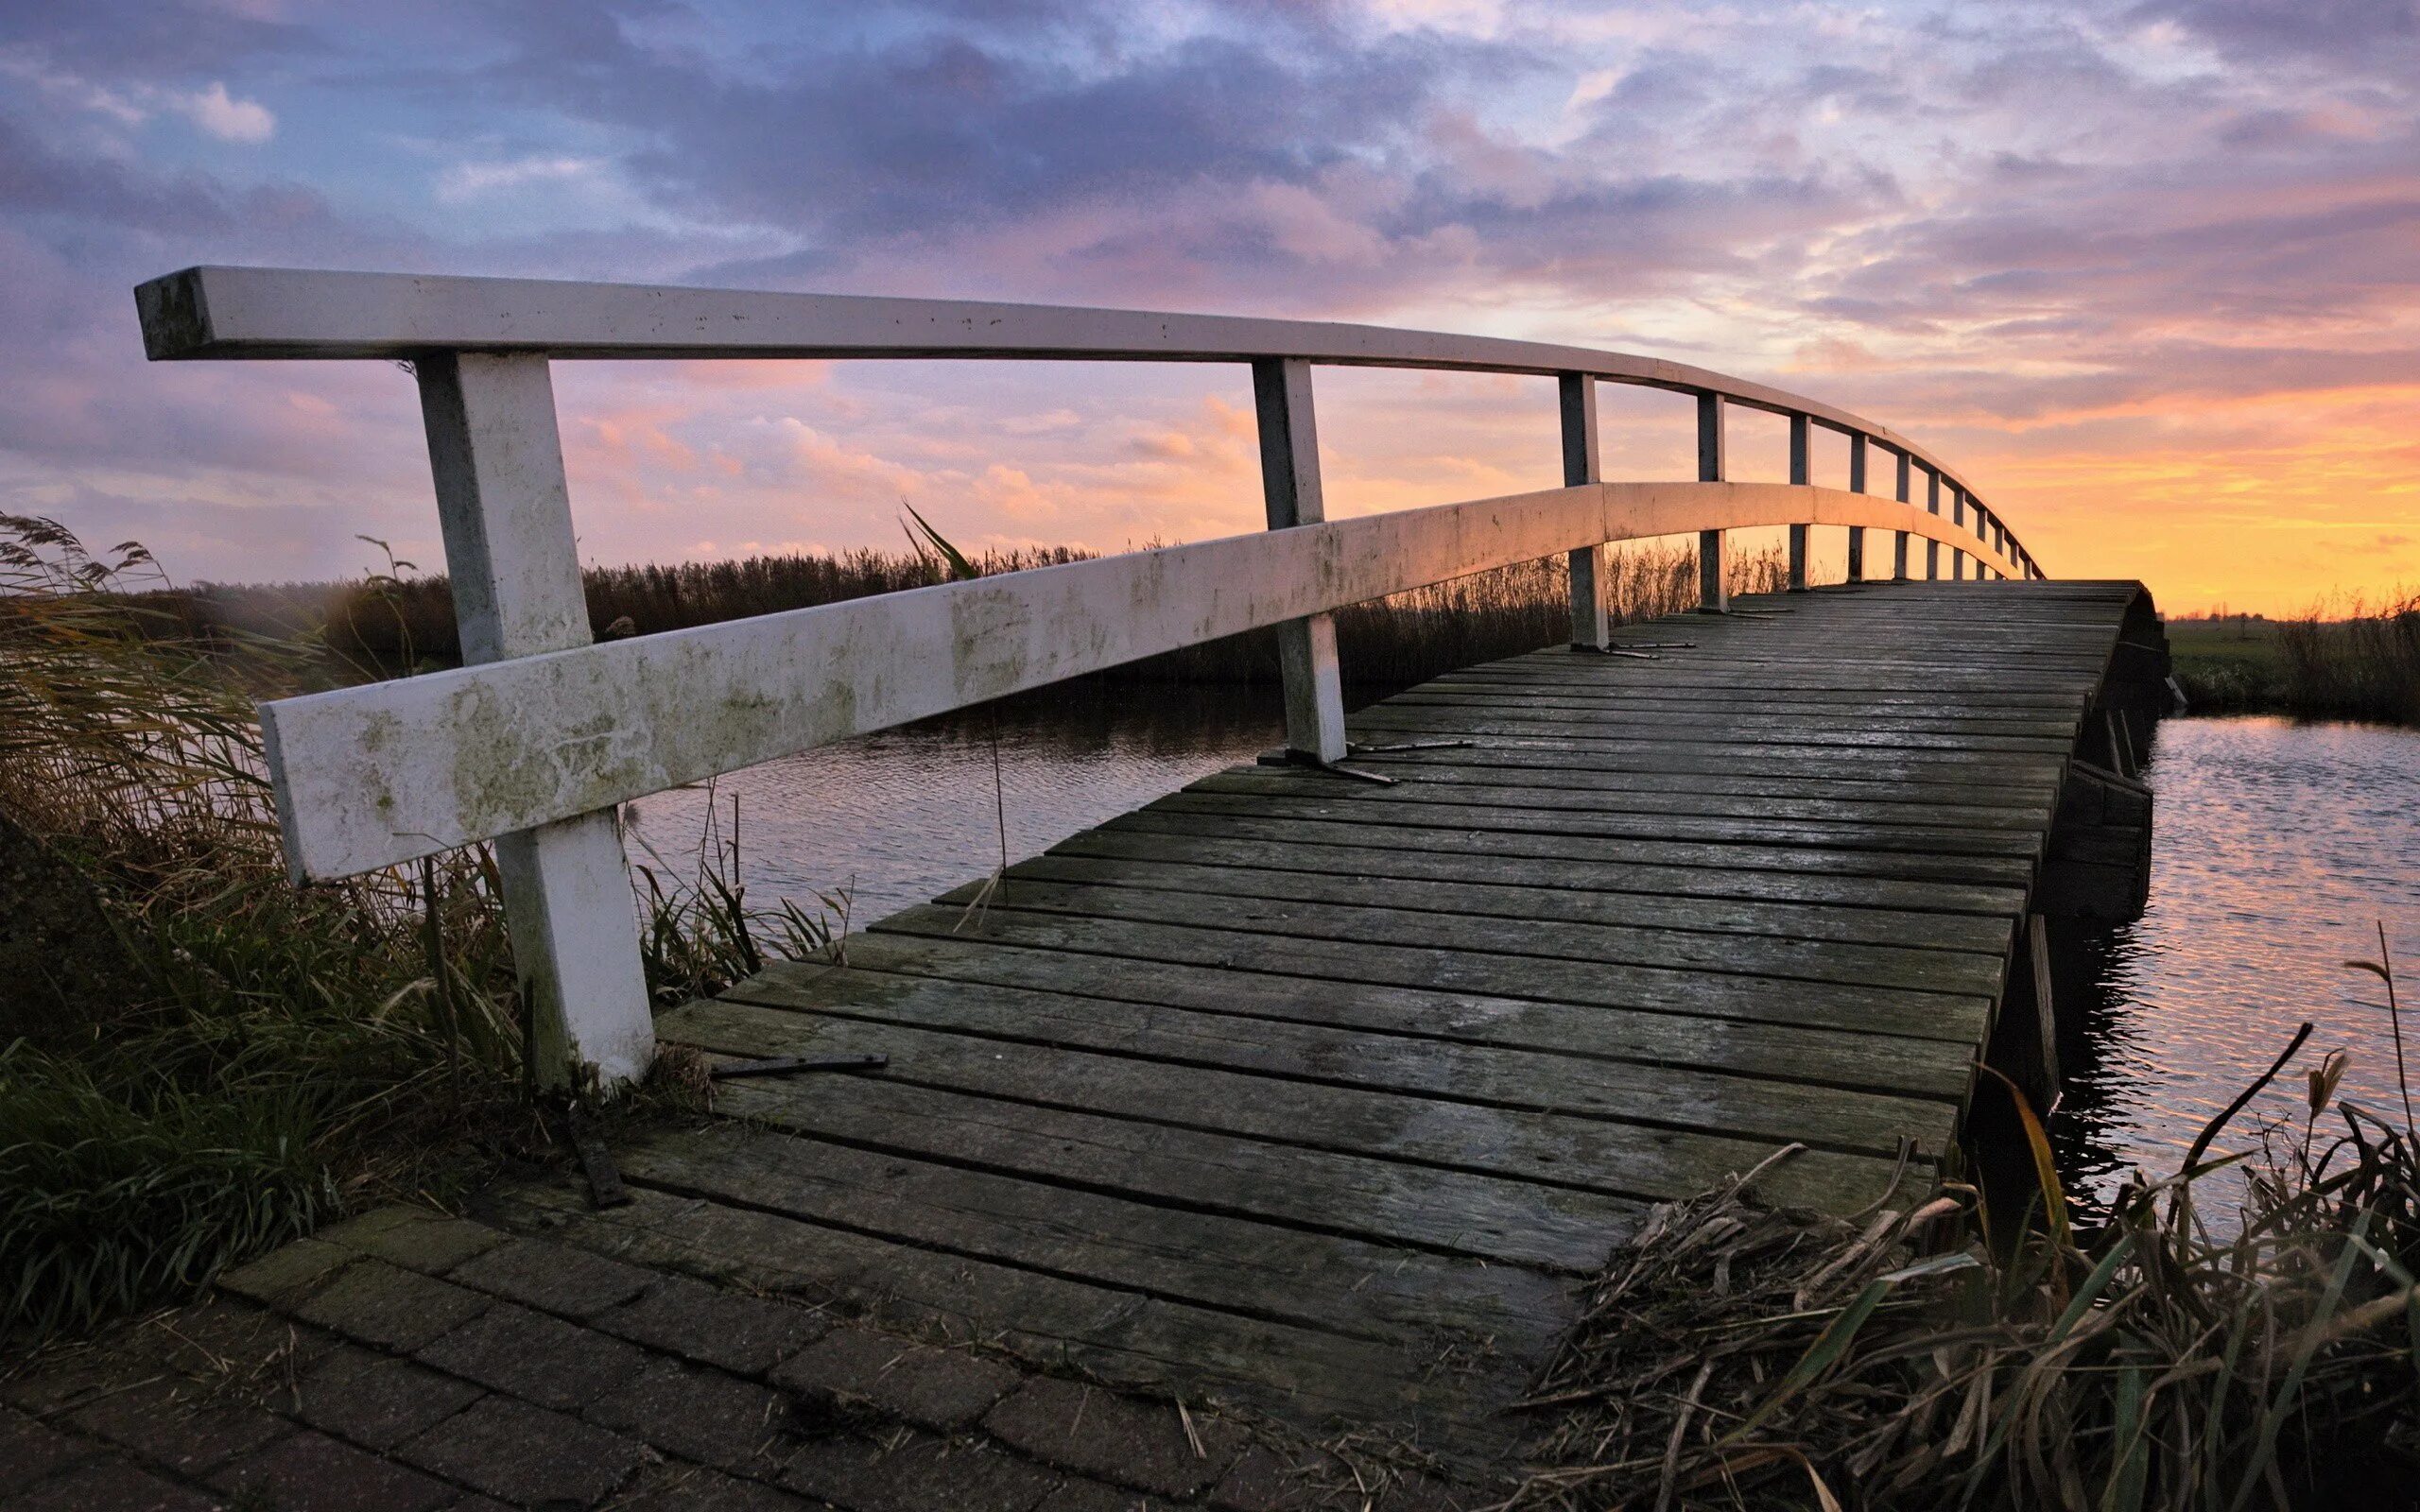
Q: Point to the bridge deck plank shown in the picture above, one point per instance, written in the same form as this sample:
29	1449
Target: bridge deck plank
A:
1288	1086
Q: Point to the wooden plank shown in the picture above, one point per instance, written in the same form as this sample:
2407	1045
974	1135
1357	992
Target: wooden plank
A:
1709	1098
1318	1282
1815	830
1582	1154
1330	917
1611	792
1369	1198
1733	717
1710	872
1582	768
1577	892
1381	724
1612	837
1496	884
1917	1013
1932	1069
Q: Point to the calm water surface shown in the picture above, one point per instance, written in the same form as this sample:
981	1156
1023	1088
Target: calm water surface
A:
2280	846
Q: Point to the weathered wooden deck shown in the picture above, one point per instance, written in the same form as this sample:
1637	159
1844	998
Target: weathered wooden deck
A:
1315	1094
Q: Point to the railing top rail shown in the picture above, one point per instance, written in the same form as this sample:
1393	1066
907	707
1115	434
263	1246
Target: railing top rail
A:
274	313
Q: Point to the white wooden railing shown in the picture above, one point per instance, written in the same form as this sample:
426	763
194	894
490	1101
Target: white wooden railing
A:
536	740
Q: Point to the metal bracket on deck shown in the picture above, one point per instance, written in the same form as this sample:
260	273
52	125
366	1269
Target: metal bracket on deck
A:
1613	651
1364	749
1312	763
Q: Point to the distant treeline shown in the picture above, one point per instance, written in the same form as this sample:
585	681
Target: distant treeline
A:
385	624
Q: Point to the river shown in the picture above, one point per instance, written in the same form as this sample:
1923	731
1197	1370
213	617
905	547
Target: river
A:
2280	846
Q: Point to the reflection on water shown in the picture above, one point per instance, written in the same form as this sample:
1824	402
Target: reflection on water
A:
2279	848
907	813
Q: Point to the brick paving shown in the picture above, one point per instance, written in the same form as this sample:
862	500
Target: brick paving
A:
409	1362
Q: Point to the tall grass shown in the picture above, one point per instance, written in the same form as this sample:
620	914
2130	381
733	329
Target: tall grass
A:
2362	665
2160	1356
399	620
277	1054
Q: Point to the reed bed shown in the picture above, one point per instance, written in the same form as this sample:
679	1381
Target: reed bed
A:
2364	664
2156	1356
397	620
261	1057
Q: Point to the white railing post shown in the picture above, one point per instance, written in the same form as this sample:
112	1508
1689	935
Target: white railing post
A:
1799	473
505	508
1957	517
1907	492
1856	485
1932	505
1592	618
1289	478
1714	595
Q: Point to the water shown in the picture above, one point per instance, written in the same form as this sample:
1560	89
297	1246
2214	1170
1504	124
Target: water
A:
895	818
2279	848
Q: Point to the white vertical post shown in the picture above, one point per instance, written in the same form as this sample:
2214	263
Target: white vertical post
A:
1714	595
1799	473
1957	517
1932	505
1907	492
1856	485
1289	480
1592	618
505	508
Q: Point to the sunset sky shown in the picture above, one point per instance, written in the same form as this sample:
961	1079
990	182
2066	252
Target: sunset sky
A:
2148	273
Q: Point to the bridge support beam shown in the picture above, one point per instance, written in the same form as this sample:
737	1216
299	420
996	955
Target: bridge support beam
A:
1856	485
1899	551
1592	618
1799	475
1714	592
1289	478
505	510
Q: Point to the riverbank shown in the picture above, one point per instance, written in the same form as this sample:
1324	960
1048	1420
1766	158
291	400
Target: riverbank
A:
2364	666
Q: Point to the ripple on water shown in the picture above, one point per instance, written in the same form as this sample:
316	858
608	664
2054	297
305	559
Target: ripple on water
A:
2280	846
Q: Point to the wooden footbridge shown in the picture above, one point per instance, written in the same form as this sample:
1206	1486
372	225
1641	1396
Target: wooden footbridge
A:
1315	1085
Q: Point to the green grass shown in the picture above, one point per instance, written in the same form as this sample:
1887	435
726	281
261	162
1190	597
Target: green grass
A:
2359	664
2229	667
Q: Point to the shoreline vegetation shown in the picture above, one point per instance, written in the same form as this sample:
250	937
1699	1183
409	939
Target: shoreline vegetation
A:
395	621
2358	662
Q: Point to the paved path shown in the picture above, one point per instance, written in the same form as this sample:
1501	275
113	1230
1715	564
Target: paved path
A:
407	1361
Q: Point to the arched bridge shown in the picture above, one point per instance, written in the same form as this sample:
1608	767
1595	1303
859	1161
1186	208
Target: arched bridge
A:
1315	1084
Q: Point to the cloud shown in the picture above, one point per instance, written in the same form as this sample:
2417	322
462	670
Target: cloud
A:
470	180
224	117
2069	243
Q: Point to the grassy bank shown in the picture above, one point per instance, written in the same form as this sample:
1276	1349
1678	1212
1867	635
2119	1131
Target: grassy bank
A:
401	619
198	1059
1930	1353
2361	665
